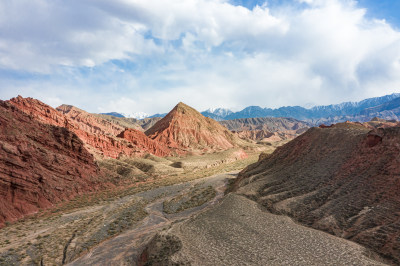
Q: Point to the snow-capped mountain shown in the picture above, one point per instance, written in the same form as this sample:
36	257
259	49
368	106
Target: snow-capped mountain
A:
222	112
298	112
137	115
317	114
217	113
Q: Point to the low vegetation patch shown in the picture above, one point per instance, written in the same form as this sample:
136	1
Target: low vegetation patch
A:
195	197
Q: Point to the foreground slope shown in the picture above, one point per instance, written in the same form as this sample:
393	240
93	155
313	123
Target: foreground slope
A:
184	129
343	179
238	232
39	164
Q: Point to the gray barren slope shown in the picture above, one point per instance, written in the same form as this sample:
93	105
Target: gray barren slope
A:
239	232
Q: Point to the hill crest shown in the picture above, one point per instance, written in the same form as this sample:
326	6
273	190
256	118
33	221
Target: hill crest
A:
184	129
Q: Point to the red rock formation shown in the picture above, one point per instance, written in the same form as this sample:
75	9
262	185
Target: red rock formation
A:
184	129
144	143
344	180
89	122
39	164
99	135
41	111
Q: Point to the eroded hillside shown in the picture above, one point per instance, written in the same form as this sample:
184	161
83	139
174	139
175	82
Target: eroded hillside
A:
342	179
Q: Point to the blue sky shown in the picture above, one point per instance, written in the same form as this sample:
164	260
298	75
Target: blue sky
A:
147	55
383	9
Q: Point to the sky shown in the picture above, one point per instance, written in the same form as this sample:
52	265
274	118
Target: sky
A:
147	55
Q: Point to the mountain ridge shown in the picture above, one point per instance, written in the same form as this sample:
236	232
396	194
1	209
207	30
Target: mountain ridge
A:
301	113
317	114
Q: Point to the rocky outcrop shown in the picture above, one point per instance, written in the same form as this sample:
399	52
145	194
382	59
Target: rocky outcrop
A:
184	129
343	180
144	143
40	164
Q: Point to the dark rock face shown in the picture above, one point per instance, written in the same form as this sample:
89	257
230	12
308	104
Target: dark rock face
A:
40	164
344	180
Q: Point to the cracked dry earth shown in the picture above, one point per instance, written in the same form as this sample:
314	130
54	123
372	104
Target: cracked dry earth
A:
238	232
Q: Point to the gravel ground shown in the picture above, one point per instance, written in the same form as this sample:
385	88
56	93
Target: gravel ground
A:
238	232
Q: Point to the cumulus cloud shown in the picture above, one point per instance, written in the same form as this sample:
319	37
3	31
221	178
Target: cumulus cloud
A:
146	55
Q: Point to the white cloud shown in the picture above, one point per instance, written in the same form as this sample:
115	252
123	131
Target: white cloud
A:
204	52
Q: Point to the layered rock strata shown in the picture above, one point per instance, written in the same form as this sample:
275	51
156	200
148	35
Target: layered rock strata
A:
40	164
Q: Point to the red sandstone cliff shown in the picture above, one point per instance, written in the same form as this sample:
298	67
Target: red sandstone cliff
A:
40	164
99	135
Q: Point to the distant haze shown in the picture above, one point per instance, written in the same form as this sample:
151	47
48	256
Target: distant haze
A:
147	55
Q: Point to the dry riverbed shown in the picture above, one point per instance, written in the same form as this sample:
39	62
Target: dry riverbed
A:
125	248
110	232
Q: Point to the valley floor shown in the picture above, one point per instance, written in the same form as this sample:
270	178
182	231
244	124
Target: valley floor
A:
183	218
88	223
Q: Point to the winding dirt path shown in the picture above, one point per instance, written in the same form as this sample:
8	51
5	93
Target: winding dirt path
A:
125	248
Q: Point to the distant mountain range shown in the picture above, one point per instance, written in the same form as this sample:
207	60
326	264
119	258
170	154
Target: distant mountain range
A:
386	107
313	114
113	114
